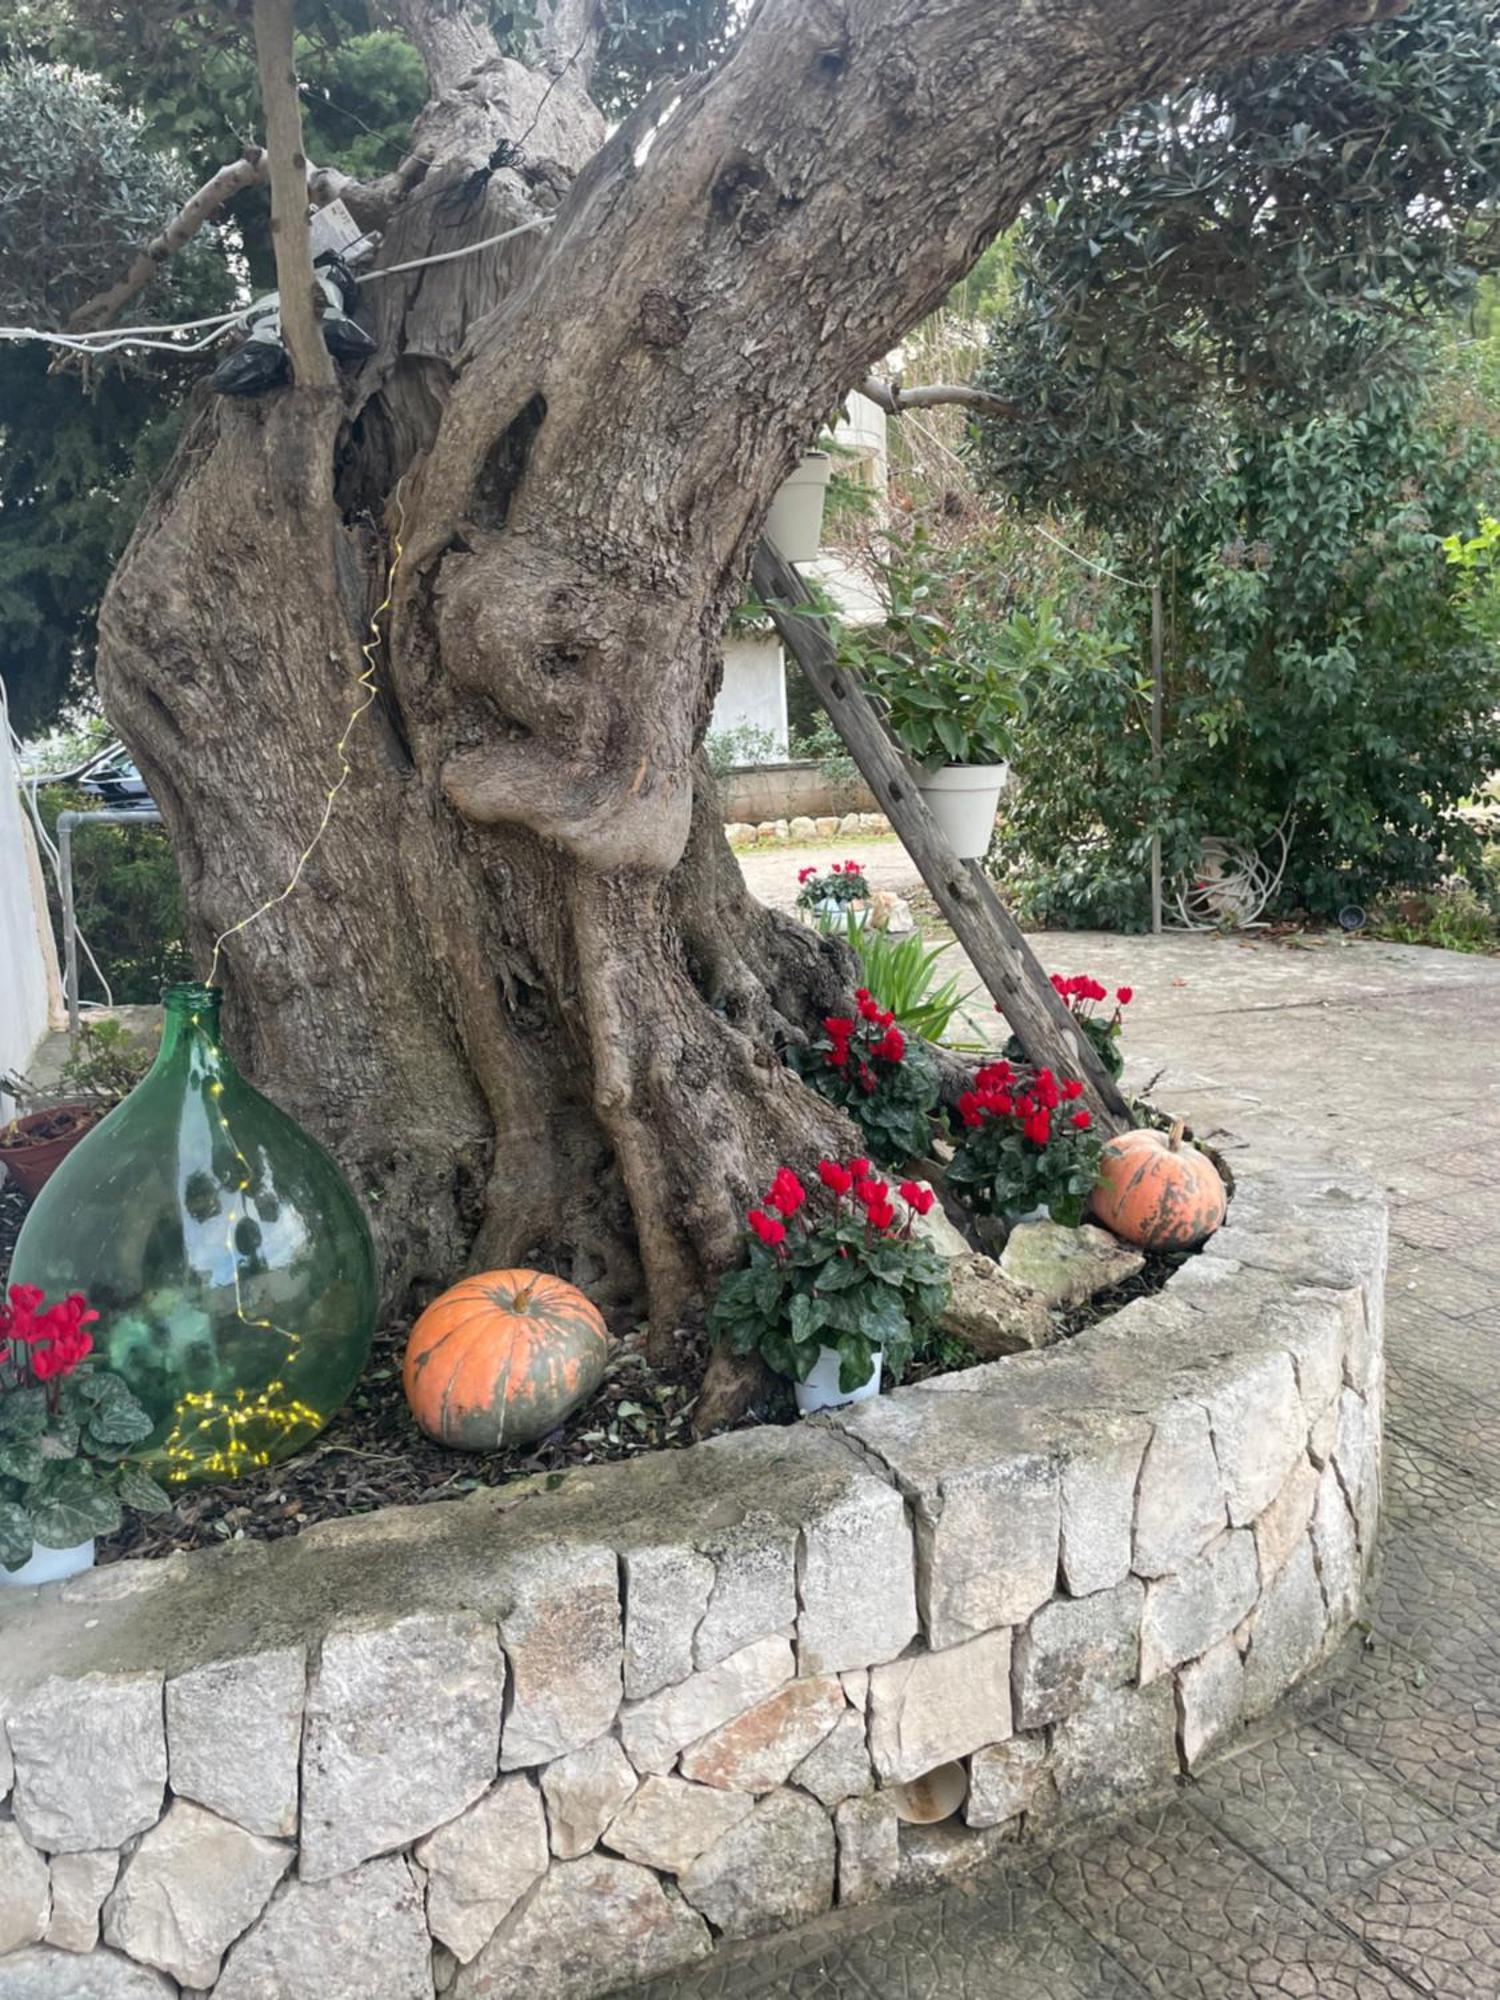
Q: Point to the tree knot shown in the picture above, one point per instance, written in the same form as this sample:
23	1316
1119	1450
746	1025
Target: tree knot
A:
663	320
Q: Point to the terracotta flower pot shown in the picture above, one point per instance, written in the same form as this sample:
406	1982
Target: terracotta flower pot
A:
35	1146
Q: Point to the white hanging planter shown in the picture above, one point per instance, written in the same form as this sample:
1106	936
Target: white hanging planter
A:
821	1390
51	1565
963	799
795	522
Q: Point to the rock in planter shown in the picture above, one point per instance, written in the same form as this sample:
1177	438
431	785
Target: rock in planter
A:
481	1864
990	1312
195	1883
594	1925
1064	1266
774	1868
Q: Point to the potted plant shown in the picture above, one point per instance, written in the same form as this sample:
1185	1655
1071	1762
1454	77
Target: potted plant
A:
947	674
834	1288
105	1066
1027	1146
795	522
1083	994
885	1080
840	896
66	1431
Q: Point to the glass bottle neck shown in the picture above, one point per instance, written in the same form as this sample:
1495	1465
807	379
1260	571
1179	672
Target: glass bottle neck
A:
190	1019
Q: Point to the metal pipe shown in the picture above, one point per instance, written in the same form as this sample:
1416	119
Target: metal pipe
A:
66	821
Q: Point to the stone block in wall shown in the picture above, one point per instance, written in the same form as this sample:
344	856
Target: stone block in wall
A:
592	1925
1286	1631
869	1847
775	1868
1099	1478
481	1864
1318	1328
43	1973
666	1595
1180	1504
856	1581
1355	1451
1119	1748
1075	1648
987	1510
1003	1778
1210	1697
194	1885
755	1584
234	1736
655	1731
584	1791
91	1760
1336	1548
757	1751
403	1732
1285	1522
562	1638
80	1883
1260	1431
839	1768
669	1822
7	1764
25	1891
356	1936
932	1707
1187	1613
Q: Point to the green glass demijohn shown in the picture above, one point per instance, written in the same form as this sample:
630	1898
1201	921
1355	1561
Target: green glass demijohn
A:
231	1268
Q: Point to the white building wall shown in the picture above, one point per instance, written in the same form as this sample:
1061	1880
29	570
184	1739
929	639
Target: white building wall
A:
30	987
753	694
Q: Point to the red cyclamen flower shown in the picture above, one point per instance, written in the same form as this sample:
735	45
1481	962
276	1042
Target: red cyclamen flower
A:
786	1192
806	874
1124	994
917	1197
767	1228
837	1179
880	1215
1083	1120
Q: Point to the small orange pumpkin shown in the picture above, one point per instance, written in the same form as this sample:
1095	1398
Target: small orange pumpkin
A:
1158	1193
502	1358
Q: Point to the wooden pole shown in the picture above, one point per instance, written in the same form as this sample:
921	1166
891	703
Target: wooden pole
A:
1000	954
301	334
1157	702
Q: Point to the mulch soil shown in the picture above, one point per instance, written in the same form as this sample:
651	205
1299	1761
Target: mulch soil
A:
372	1455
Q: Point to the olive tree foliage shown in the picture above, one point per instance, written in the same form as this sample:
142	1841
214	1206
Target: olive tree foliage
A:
1244	251
80	188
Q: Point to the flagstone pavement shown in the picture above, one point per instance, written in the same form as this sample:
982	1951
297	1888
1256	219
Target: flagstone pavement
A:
1351	1848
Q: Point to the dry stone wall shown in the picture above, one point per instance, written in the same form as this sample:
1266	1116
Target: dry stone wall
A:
566	1734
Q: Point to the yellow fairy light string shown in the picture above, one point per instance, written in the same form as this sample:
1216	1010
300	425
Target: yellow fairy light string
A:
368	692
241	1421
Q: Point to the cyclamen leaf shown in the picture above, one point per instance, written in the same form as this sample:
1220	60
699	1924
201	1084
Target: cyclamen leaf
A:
71	1505
16	1537
136	1488
120	1421
23	1459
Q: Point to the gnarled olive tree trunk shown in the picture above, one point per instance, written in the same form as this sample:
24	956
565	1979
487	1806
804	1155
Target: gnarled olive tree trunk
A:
521	989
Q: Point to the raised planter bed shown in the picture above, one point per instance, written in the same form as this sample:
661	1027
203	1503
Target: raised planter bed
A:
568	1733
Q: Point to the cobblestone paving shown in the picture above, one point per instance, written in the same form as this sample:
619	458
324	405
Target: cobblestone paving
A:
1350	1849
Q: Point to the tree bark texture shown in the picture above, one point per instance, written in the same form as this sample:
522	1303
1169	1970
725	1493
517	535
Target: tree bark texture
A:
521	990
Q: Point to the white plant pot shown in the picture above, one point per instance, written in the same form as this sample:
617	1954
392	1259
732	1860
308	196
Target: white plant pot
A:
821	1390
51	1565
795	522
963	799
1041	1213
836	914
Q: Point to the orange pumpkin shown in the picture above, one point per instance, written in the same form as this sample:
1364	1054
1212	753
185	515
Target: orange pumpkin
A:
502	1358
1158	1193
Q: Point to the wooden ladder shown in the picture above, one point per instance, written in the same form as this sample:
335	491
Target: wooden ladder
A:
996	946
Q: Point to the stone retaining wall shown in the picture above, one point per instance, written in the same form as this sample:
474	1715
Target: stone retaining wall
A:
565	1734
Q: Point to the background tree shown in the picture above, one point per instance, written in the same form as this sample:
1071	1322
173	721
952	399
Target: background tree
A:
522	990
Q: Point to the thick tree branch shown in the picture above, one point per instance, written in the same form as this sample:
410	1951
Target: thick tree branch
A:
453	41
105	307
312	365
893	397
